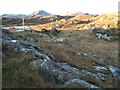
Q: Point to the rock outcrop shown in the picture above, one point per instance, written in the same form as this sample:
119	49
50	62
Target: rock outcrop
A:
47	67
60	73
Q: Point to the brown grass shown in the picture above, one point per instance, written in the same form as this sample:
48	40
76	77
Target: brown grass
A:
63	53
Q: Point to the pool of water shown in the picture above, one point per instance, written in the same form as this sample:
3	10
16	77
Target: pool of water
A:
19	27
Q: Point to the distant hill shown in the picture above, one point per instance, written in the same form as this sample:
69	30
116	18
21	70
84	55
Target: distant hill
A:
66	23
75	13
13	15
74	21
83	22
35	14
40	13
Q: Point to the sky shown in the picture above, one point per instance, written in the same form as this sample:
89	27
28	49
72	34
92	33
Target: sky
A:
58	6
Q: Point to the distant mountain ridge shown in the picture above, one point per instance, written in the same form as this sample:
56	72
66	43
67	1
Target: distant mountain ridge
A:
40	13
74	13
35	14
74	20
13	15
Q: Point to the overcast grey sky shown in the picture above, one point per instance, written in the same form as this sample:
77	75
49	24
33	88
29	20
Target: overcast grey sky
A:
58	6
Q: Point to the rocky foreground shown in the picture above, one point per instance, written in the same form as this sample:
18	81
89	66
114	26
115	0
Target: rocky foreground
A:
92	70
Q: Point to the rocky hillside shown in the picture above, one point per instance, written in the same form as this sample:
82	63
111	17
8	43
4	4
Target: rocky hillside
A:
58	59
83	22
104	20
75	22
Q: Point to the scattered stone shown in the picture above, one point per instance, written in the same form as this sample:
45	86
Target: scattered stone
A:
102	76
103	36
99	68
82	54
71	45
115	71
13	40
31	39
59	39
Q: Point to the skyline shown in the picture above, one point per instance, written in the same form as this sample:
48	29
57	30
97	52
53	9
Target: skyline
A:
58	6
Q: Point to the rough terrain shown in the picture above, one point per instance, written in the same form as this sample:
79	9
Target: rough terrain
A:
40	59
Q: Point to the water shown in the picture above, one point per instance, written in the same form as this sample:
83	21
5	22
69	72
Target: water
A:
20	28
